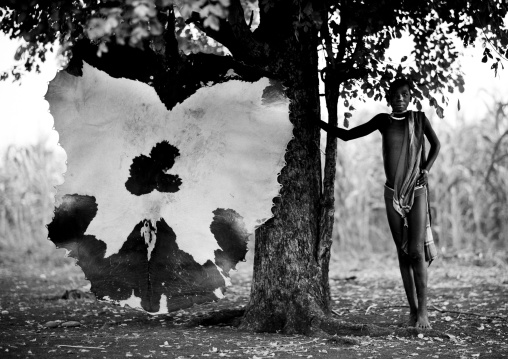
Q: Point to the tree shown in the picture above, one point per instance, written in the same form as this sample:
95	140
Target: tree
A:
290	289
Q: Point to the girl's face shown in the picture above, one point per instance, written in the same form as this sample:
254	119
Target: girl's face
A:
399	100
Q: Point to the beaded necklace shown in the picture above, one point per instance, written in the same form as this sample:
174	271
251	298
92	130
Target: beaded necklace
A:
393	115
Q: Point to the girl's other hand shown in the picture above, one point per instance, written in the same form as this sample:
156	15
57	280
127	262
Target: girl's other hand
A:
423	179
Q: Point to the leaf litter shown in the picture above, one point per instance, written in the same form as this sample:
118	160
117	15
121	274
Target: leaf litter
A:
466	302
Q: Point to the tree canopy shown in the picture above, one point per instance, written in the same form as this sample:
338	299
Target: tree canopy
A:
353	38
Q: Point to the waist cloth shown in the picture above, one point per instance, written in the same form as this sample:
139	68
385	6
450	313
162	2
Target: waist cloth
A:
429	248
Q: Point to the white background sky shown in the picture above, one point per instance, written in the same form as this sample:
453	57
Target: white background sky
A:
25	118
24	114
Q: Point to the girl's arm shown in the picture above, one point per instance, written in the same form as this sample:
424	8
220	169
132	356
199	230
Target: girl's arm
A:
435	145
356	132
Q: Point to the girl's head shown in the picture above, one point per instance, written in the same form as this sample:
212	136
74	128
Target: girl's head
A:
399	94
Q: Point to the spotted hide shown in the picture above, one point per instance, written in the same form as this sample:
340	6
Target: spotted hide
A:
157	205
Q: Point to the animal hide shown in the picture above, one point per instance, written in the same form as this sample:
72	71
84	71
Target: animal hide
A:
157	205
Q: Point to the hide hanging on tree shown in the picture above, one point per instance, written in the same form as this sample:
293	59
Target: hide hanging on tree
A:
157	205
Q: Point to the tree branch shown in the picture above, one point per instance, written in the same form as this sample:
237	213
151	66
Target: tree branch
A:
341	53
336	74
141	65
224	35
360	43
235	34
327	200
171	50
173	85
325	31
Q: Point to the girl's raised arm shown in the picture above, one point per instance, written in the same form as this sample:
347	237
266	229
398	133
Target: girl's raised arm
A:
356	132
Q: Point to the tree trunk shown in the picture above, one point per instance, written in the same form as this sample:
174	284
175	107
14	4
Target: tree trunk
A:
288	287
327	215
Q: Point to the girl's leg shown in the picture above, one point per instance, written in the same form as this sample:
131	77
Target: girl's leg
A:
417	221
396	226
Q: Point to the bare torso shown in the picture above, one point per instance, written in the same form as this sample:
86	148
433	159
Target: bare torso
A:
392	132
393	135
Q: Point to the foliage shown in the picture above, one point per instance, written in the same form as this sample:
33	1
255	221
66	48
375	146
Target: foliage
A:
45	24
358	35
354	36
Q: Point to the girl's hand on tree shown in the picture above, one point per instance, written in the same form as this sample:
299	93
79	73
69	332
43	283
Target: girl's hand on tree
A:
423	179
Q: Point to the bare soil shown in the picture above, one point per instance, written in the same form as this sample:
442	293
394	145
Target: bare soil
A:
468	300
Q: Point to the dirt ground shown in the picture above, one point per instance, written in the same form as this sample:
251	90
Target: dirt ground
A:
468	300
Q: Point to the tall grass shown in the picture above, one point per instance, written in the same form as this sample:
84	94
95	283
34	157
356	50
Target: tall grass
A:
471	190
468	189
27	179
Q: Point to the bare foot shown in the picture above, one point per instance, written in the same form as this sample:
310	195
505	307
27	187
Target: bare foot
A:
422	321
412	320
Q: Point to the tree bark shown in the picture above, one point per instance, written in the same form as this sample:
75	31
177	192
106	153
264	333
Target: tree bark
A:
327	214
288	288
